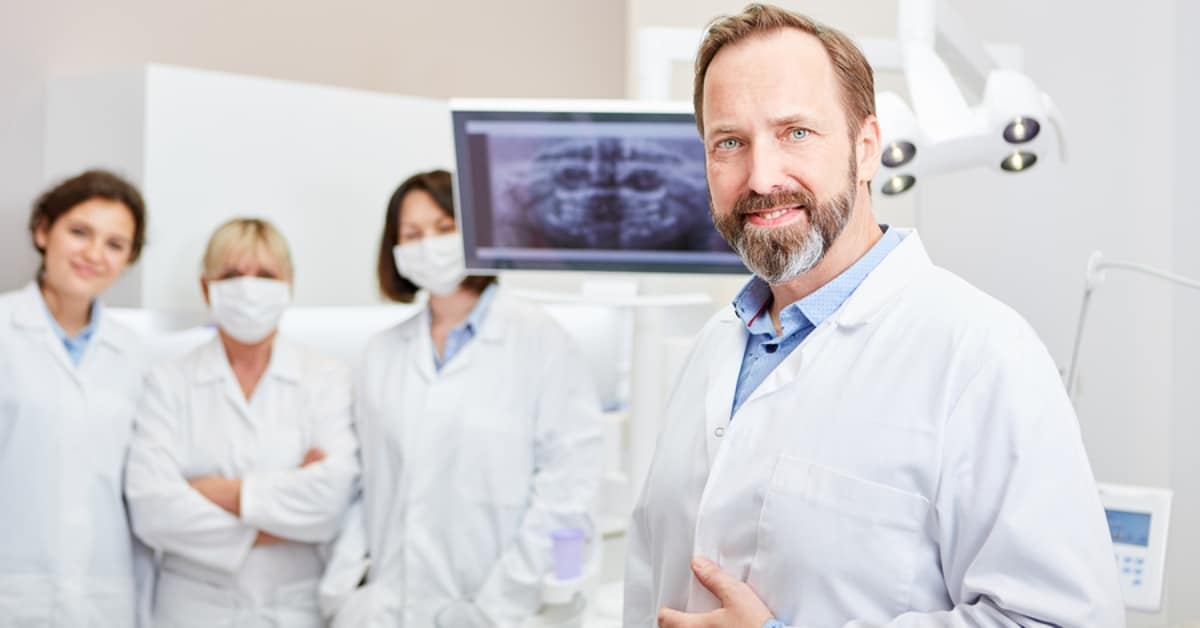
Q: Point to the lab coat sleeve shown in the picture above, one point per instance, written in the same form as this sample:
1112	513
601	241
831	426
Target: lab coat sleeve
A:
1023	536
642	551
307	504
568	463
347	565
144	576
166	513
639	607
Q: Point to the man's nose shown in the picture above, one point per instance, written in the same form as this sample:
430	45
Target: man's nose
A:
767	174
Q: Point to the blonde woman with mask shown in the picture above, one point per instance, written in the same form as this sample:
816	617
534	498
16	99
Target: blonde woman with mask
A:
481	435
70	377
243	458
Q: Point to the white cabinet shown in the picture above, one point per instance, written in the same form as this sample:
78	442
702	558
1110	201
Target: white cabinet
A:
320	162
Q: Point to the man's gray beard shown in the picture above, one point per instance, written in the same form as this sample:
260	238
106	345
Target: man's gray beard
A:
782	254
780	257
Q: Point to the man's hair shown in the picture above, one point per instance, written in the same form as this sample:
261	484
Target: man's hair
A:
854	73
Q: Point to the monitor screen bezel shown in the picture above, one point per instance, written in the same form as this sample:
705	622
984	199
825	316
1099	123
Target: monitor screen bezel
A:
464	111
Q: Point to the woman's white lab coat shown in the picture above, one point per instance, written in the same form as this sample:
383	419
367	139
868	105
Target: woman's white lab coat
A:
195	421
467	471
914	462
65	548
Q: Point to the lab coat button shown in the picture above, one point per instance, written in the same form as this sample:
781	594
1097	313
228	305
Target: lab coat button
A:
719	432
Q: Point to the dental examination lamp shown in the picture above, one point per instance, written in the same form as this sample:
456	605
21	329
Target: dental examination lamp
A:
1096	268
1014	124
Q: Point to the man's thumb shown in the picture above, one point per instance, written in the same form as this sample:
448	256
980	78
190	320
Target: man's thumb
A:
713	578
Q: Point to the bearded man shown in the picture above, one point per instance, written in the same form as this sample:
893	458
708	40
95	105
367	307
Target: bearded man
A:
863	439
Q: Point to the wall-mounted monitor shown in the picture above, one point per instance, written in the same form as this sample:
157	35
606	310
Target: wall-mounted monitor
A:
584	185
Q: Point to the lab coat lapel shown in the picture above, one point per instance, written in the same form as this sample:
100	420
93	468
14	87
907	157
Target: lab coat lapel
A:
906	262
885	282
729	345
492	330
788	370
30	317
215	370
108	342
420	338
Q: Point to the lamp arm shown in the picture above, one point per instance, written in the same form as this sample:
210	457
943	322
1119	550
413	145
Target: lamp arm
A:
1095	276
1071	366
1179	280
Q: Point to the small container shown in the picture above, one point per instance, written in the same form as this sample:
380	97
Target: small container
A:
568	552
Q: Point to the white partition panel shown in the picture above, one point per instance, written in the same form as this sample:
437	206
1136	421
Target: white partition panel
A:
320	162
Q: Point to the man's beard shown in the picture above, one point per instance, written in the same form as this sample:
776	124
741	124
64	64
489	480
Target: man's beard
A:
780	254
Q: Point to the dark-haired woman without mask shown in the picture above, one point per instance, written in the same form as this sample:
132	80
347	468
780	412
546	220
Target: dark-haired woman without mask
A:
70	377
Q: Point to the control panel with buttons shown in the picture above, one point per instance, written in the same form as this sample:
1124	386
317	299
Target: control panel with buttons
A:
1137	520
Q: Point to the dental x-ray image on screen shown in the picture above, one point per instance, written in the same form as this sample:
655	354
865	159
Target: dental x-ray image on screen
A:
585	190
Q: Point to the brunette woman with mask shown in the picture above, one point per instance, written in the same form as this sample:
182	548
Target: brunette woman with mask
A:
481	436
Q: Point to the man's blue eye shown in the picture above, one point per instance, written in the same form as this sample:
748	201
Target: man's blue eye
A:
798	134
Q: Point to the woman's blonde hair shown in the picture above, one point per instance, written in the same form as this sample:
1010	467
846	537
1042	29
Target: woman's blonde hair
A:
243	236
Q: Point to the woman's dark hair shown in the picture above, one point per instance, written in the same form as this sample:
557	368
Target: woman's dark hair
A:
392	284
92	184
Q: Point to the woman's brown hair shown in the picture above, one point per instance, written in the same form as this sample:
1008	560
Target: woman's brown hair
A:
92	184
393	285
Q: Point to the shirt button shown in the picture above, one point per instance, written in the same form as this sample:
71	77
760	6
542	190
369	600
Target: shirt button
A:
719	432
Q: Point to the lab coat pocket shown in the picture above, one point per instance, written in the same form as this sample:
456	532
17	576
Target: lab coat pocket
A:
834	548
296	605
181	602
26	601
369	606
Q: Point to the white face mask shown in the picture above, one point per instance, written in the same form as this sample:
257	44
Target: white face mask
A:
248	308
434	263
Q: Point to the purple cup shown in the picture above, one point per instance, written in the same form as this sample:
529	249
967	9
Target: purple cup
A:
568	552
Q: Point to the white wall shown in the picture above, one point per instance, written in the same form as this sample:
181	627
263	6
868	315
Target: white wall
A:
1183	576
469	48
876	19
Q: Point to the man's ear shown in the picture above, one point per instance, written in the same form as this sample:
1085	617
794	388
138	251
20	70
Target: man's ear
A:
867	149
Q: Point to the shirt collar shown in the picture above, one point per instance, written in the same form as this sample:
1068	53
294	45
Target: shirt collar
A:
84	334
751	303
284	362
479	312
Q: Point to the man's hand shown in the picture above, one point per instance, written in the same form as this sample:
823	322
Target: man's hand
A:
224	492
740	607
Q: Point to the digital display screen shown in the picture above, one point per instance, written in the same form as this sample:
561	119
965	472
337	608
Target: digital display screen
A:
587	191
1129	528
